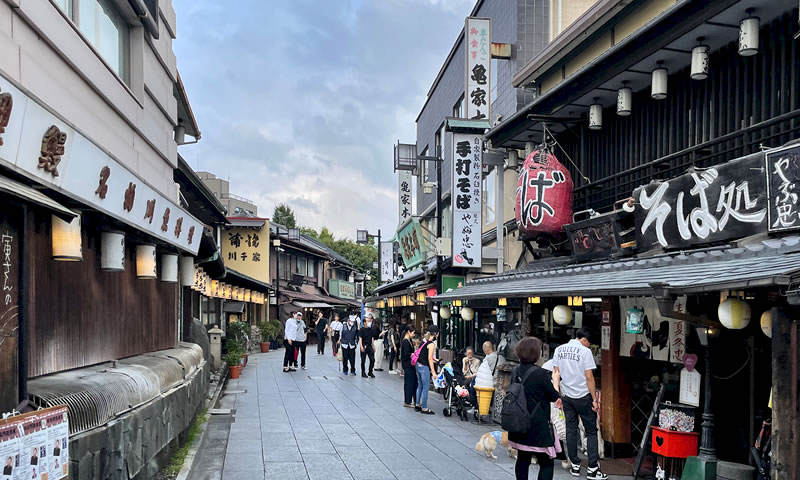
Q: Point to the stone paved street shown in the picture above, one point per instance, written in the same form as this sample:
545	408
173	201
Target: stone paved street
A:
319	424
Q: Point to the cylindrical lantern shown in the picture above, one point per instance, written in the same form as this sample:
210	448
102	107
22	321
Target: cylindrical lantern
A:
187	271
748	35
624	101
248	295
169	267
766	323
235	293
146	261
112	251
562	315
66	237
658	87
444	312
734	313
468	314
215	288
699	62
595	116
228	292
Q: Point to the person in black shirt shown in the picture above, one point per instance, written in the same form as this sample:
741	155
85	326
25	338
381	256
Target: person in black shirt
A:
321	327
409	374
367	335
9	468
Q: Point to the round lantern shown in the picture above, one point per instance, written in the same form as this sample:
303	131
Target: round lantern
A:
766	323
544	197
734	313
187	271
169	267
66	238
445	313
112	252
467	314
562	315
146	261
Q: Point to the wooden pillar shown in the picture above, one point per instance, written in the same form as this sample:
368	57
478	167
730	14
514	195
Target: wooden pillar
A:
616	392
784	397
186	309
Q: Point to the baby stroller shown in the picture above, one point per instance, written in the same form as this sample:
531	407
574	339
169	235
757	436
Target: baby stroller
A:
455	393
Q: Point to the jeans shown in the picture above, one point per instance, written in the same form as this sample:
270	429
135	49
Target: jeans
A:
581	407
321	343
288	355
392	354
349	355
368	353
410	385
523	465
301	347
423	385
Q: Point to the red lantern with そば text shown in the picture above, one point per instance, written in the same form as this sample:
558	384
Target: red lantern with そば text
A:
544	197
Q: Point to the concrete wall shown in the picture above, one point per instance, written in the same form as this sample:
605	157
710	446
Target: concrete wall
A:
44	54
564	12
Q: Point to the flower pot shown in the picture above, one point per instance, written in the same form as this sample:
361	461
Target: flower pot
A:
234	371
264	347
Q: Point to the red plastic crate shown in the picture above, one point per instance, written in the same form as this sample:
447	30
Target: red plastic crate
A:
673	444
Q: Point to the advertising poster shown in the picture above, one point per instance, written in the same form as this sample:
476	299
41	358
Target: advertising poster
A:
57	444
34	446
9	451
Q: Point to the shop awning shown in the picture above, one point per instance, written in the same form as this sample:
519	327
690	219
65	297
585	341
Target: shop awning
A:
774	262
32	195
233	307
300	304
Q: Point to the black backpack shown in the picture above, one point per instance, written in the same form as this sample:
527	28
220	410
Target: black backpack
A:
515	416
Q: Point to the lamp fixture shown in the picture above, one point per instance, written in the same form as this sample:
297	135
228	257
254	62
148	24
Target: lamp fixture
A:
595	115
146	261
502	302
534	300
468	314
187	271
169	267
748	34
112	251
658	87
624	100
445	312
699	69
66	238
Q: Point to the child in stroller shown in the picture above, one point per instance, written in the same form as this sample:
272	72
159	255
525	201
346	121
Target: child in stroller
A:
455	392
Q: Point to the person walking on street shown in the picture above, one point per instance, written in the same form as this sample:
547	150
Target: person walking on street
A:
321	328
426	369
366	342
289	337
348	343
409	373
394	343
573	365
539	440
336	331
301	337
380	348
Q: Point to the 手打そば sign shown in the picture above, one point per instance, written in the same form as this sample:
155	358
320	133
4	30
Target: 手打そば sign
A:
467	190
478	47
412	244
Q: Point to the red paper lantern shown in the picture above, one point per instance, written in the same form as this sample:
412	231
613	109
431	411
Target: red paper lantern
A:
544	197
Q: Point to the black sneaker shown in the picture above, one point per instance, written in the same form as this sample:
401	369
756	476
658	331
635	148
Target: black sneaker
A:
574	470
595	474
371	375
363	374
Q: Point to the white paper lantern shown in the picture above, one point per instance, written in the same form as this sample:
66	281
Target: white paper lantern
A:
562	315
595	116
734	313
624	101
748	35
112	252
658	87
187	271
146	261
766	323
169	267
468	314
66	238
412	315
699	62
445	312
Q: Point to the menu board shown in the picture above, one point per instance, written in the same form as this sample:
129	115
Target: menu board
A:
33	446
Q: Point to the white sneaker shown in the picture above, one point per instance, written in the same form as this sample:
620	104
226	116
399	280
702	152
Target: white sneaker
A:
393	372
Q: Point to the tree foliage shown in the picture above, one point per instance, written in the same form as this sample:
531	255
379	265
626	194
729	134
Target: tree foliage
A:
284	215
361	256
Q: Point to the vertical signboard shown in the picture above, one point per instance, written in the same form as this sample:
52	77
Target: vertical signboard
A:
387	261
783	188
246	250
478	37
404	209
10	224
467	164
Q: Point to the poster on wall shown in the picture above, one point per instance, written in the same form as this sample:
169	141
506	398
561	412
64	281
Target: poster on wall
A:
661	338
34	445
9	451
57	444
478	35
467	190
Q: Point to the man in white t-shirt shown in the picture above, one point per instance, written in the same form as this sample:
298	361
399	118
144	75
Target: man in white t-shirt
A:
573	365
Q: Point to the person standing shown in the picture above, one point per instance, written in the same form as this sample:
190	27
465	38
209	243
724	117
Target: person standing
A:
335	330
426	369
573	365
321	328
394	343
302	339
380	347
539	440
366	342
348	343
409	373
289	337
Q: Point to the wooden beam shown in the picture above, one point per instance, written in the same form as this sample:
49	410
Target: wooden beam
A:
616	392
784	395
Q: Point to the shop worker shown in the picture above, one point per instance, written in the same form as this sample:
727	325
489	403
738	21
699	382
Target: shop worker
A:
573	365
348	342
289	337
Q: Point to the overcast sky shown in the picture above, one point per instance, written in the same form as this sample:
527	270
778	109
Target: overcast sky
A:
302	100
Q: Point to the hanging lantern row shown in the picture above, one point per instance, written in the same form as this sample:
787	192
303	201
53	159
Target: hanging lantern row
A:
748	46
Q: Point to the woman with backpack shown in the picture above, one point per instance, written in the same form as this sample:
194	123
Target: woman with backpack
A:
423	360
409	373
538	439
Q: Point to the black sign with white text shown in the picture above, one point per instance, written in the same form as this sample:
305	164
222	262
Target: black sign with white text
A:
783	187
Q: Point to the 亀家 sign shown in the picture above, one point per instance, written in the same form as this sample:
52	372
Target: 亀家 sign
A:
467	163
478	37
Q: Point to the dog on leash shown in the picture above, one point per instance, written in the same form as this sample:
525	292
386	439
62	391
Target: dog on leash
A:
489	442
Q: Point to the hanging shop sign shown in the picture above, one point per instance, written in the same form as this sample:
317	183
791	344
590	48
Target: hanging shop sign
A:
36	445
478	37
703	206
246	250
342	289
783	188
37	143
412	244
404	206
467	161
387	261
602	235
544	197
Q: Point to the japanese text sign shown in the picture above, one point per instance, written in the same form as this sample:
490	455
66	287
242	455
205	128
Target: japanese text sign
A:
478	46
703	206
246	250
387	261
466	199
342	289
412	244
783	187
404	208
35	445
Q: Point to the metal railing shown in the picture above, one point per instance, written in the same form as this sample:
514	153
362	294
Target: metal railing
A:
237	197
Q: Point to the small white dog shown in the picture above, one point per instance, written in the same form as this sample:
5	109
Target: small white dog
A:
489	442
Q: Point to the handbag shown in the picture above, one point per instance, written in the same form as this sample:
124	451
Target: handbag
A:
339	355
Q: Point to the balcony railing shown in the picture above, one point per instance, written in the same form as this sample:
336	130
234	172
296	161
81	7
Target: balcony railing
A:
237	197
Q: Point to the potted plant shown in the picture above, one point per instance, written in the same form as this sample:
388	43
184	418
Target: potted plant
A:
269	331
264	327
233	359
273	337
